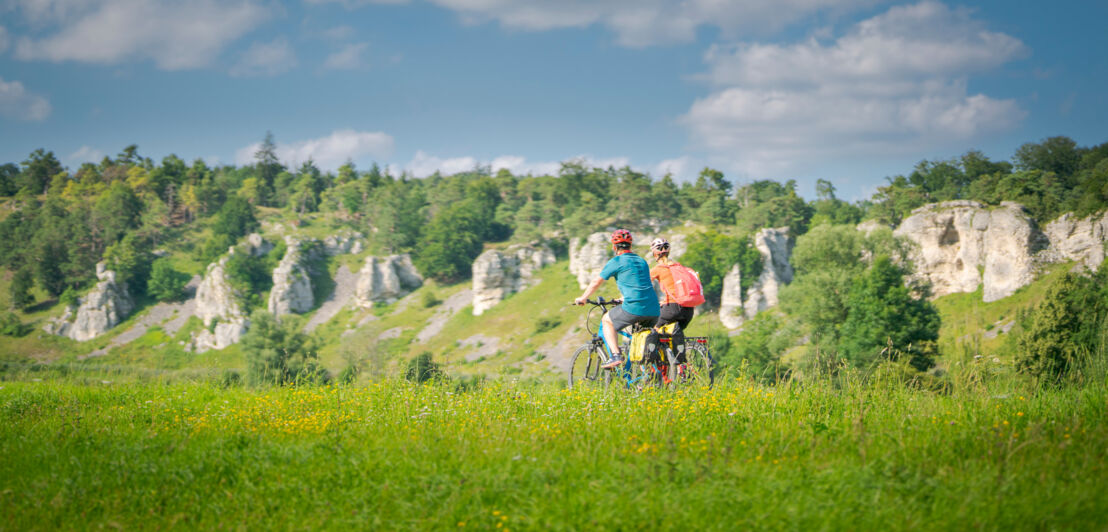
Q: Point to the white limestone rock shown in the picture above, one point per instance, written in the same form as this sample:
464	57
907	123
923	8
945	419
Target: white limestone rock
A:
347	242
292	286
1010	242
961	244
497	274
1078	240
386	279
218	307
776	247
731	302
257	245
96	312
588	257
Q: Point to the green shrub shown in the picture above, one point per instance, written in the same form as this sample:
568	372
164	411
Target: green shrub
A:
422	368
280	354
1066	328
546	324
429	299
20	289
11	325
166	283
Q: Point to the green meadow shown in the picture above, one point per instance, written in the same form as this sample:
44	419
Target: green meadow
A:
854	452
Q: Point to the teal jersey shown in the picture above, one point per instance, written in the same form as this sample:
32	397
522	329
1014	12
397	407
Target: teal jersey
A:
633	279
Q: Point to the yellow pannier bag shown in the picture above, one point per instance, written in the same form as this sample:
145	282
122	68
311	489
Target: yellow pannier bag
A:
638	345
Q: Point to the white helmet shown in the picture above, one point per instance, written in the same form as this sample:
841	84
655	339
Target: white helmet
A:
659	244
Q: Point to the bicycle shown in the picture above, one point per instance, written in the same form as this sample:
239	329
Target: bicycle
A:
585	364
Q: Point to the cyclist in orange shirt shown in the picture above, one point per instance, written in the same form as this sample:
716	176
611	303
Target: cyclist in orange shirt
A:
671	310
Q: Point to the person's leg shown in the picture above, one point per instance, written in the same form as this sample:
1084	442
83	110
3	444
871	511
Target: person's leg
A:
683	318
609	330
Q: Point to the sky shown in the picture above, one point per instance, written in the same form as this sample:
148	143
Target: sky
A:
851	91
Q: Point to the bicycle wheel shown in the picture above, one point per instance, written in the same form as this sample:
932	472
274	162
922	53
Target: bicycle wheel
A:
699	371
584	369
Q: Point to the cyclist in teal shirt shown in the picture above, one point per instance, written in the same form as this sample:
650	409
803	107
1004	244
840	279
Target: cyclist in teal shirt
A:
640	302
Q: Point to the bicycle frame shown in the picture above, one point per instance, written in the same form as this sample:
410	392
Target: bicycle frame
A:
649	370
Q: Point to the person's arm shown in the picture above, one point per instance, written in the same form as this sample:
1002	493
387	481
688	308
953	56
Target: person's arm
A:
589	290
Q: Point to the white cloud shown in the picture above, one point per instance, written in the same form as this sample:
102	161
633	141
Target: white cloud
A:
351	4
647	22
520	166
635	22
350	57
328	152
19	103
338	33
85	154
681	168
424	164
896	81
175	34
265	59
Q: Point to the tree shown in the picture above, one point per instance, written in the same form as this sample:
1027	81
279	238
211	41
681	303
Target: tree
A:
267	167
39	169
115	212
396	212
166	283
883	312
451	241
1055	154
279	353
235	218
1066	328
9	179
130	259
20	289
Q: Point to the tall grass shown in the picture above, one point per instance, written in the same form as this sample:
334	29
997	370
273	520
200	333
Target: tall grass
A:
856	453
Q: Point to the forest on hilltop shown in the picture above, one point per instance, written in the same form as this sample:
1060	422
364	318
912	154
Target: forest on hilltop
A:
157	223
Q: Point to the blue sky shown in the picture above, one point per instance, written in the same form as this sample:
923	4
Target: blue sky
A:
849	90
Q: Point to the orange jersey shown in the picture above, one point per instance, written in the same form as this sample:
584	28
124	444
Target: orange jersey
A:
665	279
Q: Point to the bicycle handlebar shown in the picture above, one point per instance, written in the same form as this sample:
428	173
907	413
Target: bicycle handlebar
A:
601	302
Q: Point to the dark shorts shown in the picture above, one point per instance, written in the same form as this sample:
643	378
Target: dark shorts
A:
674	312
621	318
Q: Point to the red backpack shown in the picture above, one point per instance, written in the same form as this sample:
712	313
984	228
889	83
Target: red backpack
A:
686	286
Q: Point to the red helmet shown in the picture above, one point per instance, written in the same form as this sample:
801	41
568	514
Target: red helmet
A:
620	236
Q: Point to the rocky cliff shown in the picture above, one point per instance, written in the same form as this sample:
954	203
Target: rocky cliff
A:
497	274
343	243
292	286
1078	240
218	307
386	279
588	256
775	246
962	244
101	309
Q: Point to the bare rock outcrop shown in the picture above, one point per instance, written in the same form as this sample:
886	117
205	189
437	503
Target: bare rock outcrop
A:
257	245
1078	240
587	257
347	242
218	307
962	244
775	246
96	312
386	279
497	274
292	286
731	301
